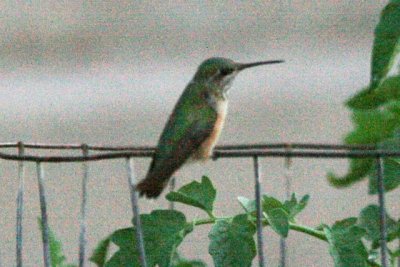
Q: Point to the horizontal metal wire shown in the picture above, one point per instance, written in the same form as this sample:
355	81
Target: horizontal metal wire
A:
230	151
217	154
316	146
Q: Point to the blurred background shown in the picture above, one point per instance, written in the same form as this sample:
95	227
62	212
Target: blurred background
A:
105	72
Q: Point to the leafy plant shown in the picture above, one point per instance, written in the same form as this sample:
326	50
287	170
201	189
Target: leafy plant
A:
232	238
376	108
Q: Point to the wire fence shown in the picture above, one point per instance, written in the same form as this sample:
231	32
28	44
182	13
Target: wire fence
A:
254	151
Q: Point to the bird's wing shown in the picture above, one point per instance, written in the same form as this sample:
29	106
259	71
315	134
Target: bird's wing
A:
169	158
177	146
191	122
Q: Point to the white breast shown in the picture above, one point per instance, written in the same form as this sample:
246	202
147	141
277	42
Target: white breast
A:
221	107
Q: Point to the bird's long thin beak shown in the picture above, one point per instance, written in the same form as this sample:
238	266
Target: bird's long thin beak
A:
242	66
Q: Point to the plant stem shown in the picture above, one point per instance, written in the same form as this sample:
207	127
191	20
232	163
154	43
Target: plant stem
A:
210	220
293	226
204	221
307	230
211	214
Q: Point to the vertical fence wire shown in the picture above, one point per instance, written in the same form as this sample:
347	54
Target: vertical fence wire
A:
260	241
398	258
82	233
20	206
288	182
382	211
44	220
172	185
136	213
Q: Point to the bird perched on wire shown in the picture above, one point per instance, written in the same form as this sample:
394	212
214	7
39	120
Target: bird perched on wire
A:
196	122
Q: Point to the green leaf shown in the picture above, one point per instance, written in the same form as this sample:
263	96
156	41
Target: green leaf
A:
372	126
386	43
270	203
345	245
359	168
100	253
201	195
248	205
163	231
293	207
56	253
127	254
391	168
365	99
387	91
232	243
369	220
276	215
279	221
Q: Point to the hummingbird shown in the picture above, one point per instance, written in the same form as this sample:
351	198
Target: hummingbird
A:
196	122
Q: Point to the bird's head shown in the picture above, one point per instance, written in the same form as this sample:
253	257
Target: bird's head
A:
219	72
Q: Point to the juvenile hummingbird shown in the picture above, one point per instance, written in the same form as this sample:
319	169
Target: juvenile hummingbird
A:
196	122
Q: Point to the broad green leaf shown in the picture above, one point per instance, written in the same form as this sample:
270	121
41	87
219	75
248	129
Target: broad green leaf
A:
369	220
345	245
372	126
56	253
270	203
387	91
248	205
359	168
232	243
127	254
276	215
365	99
294	207
100	253
201	195
386	43
163	231
279	221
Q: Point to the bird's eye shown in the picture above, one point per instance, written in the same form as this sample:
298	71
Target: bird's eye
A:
225	72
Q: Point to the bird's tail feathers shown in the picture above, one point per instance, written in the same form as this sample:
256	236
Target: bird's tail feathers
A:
150	187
